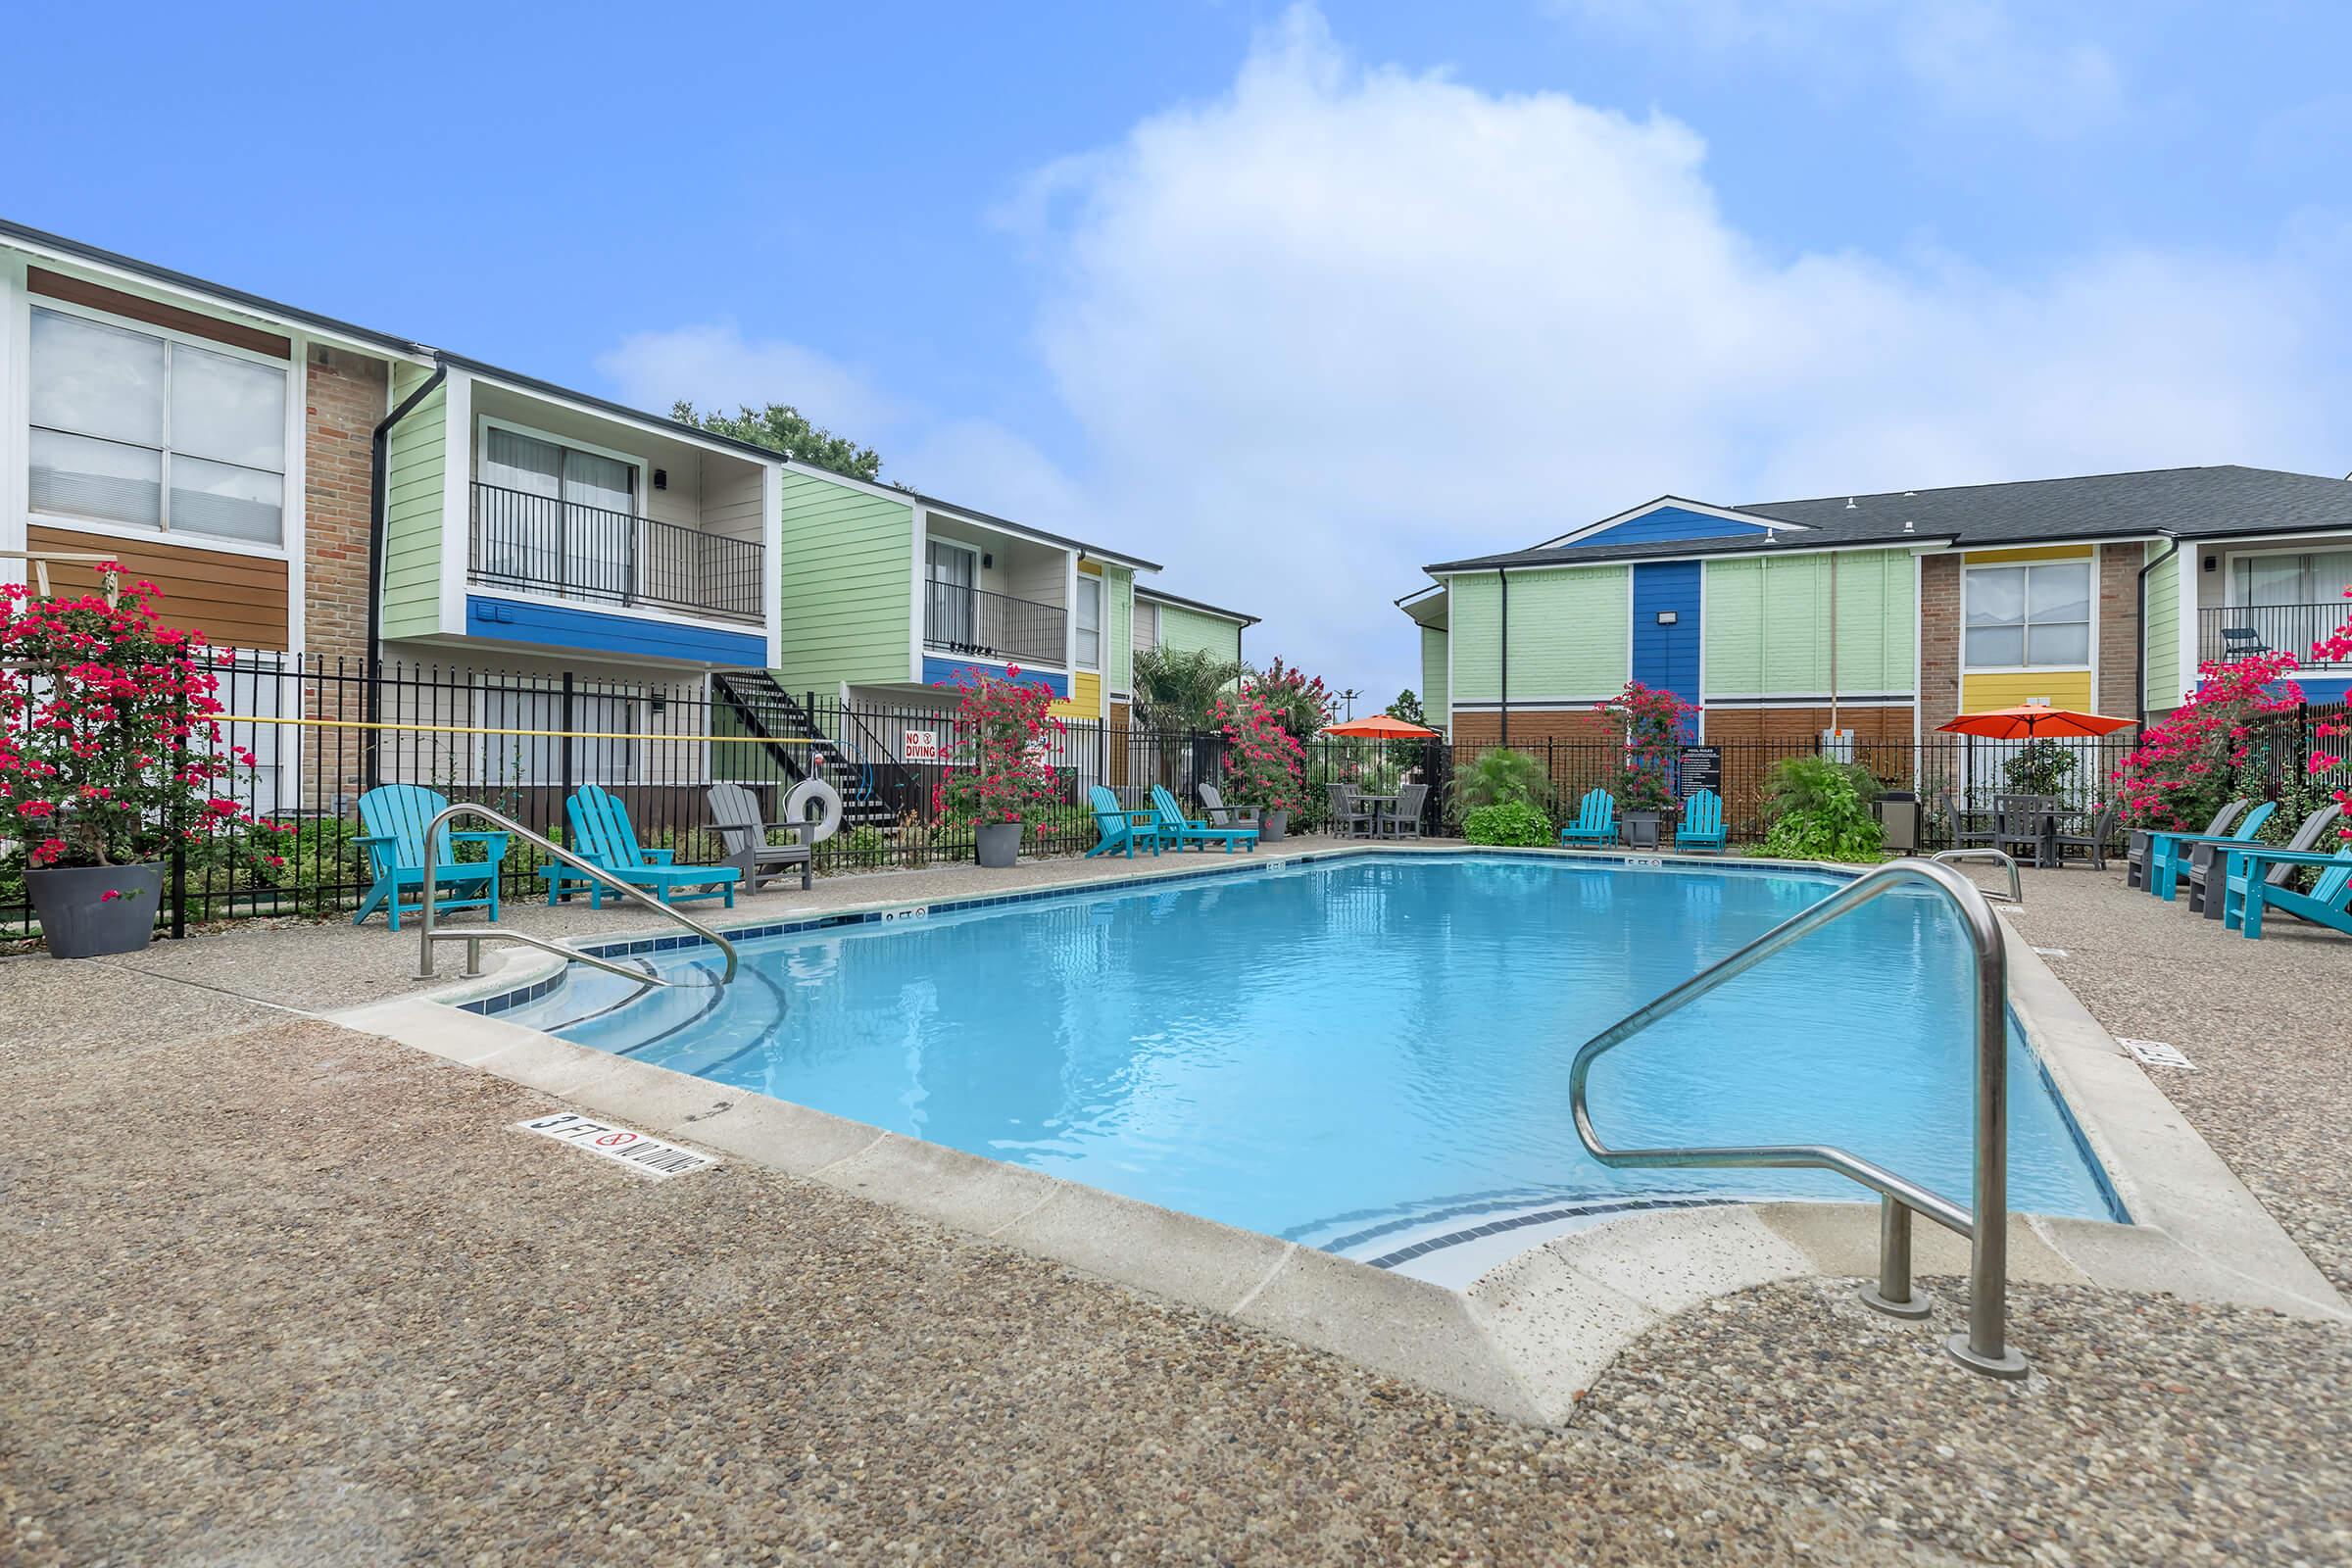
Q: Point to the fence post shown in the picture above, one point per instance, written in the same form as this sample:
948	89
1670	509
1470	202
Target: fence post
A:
564	746
178	821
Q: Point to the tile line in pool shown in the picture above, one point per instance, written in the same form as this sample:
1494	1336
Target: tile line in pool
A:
1373	1038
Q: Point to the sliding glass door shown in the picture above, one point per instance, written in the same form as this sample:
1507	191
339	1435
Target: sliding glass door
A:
553	519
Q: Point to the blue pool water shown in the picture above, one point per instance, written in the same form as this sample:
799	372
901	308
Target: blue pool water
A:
1353	1050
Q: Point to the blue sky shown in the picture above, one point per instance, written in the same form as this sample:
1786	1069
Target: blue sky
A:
1291	299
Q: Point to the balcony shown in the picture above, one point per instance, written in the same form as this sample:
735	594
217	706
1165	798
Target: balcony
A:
2237	631
540	544
979	624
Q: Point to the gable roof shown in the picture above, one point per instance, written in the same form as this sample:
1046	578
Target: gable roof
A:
2186	502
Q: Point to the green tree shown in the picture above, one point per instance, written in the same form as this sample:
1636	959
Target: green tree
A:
1407	706
781	428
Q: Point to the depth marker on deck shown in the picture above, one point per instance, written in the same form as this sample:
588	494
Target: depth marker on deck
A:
637	1150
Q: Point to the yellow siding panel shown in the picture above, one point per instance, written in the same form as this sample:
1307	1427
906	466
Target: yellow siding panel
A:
1085	699
2063	688
1988	558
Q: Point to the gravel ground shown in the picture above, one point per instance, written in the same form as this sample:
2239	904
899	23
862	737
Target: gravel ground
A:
283	1292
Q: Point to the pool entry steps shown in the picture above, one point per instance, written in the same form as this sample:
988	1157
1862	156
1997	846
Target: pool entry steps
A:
1984	1225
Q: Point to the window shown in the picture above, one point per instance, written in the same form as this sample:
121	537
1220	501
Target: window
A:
1147	626
2317	578
603	755
1090	623
948	608
549	516
149	432
2029	618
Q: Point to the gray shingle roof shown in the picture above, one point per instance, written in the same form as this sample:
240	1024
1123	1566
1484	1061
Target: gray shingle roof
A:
2190	503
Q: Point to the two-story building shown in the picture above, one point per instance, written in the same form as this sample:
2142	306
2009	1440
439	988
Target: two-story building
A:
1886	614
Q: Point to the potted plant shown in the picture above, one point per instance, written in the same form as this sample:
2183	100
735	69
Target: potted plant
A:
1266	766
108	754
1655	724
1001	780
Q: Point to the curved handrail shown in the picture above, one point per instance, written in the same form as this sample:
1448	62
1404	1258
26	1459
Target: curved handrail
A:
2017	886
428	936
1984	1222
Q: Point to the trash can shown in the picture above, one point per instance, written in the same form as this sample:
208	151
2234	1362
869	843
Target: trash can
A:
1898	812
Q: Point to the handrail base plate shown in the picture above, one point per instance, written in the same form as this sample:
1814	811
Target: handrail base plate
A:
1919	1306
2010	1365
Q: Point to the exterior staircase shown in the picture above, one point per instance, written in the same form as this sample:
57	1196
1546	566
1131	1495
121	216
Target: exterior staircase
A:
873	791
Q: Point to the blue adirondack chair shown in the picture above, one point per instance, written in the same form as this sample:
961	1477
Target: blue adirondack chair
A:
1596	821
2169	853
2328	903
601	835
1121	828
1176	830
1701	829
395	816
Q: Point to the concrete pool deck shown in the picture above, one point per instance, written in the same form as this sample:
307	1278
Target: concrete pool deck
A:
277	1204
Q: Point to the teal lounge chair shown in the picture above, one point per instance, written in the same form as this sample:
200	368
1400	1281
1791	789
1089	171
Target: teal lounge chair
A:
396	817
1174	829
1701	829
2329	903
1596	821
2170	854
600	835
1121	829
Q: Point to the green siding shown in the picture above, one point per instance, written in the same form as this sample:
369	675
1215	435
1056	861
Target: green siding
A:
2163	632
416	465
1187	630
1571	634
1118	625
1768	624
1433	677
847	594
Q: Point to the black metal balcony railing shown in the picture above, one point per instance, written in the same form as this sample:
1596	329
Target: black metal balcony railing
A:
540	544
2236	631
986	625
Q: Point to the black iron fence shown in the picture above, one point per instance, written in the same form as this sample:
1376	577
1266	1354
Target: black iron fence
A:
989	625
2240	631
543	543
323	731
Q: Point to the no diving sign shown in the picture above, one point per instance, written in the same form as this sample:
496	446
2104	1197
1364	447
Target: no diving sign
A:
637	1150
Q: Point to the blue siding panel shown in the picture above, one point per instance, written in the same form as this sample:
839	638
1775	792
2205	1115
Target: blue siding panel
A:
2318	689
1666	658
563	626
1670	522
944	673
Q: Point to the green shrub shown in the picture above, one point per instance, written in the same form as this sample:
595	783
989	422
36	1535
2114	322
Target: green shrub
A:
1506	822
1497	778
1820	810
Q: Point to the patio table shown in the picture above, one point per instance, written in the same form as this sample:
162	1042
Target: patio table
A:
1381	804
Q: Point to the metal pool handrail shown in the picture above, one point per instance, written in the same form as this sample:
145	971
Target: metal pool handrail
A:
474	936
2017	886
1984	1223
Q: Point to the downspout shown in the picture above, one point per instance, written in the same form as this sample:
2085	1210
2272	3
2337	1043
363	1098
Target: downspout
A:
378	484
2139	632
1834	640
1502	582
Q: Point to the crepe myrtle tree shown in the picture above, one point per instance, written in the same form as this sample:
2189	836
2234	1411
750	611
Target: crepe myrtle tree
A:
1266	766
1299	702
110	738
1655	724
1002	733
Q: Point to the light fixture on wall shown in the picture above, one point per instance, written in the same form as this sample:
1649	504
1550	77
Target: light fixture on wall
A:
1667	617
661	478
987	560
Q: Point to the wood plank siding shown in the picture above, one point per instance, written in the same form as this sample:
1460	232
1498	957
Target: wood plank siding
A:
236	601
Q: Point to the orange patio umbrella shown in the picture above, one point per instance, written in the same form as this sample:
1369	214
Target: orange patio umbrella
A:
2034	721
1380	726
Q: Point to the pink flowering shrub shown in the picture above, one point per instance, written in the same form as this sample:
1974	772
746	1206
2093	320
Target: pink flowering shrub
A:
1655	725
1001	735
109	740
2327	767
1266	766
1299	702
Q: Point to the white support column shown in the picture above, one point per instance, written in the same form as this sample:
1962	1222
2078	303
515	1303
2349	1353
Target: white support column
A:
14	374
771	571
457	497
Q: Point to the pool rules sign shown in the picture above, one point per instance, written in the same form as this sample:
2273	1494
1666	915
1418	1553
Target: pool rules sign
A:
639	1152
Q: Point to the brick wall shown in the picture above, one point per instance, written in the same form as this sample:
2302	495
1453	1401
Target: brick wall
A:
1938	640
1732	726
2119	629
1532	726
344	396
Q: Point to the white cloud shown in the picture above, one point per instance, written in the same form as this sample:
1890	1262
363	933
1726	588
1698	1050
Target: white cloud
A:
715	367
1342	321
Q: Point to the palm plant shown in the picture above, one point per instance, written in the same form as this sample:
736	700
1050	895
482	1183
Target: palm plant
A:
1498	777
1179	689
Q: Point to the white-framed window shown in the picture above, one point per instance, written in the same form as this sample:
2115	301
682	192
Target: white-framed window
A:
145	429
2034	616
1147	626
556	516
950	601
522	761
1089	621
2272	578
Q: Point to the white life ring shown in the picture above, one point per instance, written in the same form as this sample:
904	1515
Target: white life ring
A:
826	797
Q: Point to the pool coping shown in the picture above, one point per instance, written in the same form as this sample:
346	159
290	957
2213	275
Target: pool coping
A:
1529	1336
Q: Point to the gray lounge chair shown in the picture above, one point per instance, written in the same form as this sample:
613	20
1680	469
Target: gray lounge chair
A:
1965	837
2094	841
735	813
2136	865
1219	814
2021	822
2210	877
1404	822
1349	818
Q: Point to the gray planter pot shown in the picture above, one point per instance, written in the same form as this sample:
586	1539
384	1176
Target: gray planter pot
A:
77	921
1000	843
1641	829
1274	826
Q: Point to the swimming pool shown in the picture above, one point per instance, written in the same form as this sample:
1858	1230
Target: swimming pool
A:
1366	1052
